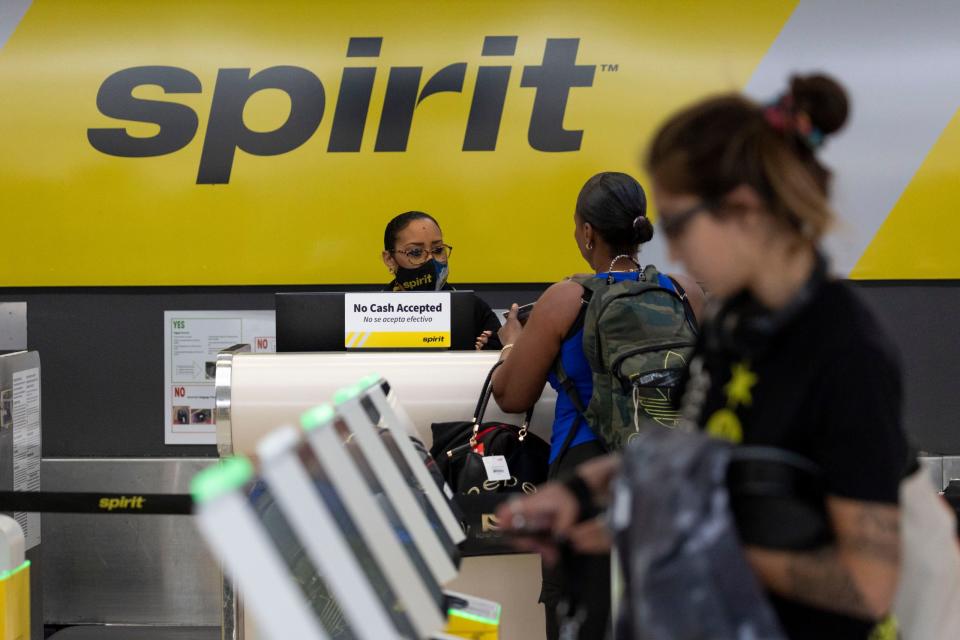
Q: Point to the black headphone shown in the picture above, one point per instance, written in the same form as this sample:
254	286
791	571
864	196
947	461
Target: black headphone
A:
743	325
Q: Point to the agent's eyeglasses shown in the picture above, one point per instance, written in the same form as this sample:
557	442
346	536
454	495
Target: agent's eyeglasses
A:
674	225
418	255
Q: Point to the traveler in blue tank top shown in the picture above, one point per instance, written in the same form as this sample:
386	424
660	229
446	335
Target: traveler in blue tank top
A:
610	224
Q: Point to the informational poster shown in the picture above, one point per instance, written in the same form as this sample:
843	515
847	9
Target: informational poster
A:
191	342
396	320
25	413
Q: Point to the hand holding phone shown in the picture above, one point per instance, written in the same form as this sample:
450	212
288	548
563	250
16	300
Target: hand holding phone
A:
523	312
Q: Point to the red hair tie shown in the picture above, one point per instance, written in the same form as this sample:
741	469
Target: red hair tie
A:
783	117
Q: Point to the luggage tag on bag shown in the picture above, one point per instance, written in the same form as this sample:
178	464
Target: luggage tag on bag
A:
620	512
497	469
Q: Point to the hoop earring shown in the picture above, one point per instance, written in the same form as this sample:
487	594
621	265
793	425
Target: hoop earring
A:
589	246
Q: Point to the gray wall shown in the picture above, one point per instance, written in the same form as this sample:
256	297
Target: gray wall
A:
101	352
922	320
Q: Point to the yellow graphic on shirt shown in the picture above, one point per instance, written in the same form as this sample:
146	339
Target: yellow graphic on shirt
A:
741	382
886	629
725	424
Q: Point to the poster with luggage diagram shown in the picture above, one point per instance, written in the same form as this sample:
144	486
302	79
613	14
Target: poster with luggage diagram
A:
192	340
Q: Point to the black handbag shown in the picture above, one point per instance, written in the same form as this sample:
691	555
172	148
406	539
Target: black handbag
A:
459	449
778	499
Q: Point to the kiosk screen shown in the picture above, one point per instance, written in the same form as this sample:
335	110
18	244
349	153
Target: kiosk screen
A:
298	563
398	458
351	534
390	511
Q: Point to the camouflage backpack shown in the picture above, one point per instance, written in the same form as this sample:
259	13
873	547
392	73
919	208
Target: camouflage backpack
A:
637	337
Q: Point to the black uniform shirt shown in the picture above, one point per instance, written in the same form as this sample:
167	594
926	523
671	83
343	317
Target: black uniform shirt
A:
826	385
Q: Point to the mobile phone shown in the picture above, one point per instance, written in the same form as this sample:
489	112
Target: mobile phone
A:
523	312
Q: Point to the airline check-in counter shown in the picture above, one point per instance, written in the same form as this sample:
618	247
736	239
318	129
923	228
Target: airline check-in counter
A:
259	399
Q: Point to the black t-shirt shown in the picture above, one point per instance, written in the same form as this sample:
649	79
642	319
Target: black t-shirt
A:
484	319
826	385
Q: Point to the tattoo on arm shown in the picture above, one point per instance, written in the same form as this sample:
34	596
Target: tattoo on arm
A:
819	579
822	579
877	536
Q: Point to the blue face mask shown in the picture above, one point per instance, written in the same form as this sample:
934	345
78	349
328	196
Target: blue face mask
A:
429	276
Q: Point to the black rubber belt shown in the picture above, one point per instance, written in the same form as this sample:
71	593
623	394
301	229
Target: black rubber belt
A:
108	503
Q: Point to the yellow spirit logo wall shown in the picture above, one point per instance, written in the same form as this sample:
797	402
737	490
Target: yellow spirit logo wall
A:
226	132
206	143
198	143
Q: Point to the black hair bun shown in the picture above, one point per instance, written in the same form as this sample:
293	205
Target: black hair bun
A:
823	99
642	229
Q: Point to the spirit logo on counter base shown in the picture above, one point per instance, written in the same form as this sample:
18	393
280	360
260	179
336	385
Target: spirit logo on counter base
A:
123	502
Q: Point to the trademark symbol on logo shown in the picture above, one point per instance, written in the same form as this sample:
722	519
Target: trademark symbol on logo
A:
609	68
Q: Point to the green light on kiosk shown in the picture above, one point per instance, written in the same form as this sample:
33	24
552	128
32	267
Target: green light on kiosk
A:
231	473
317	417
346	394
6	575
457	613
371	380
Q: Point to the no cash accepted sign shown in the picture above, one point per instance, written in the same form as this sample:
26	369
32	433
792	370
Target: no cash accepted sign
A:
396	320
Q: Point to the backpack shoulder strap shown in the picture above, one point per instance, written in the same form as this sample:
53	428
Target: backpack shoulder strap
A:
687	308
567	387
665	281
651	275
585	297
558	370
589	284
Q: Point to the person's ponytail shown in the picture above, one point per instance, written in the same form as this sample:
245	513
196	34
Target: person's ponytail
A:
615	205
642	229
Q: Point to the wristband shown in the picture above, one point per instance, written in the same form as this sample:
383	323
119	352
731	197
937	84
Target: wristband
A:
584	497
